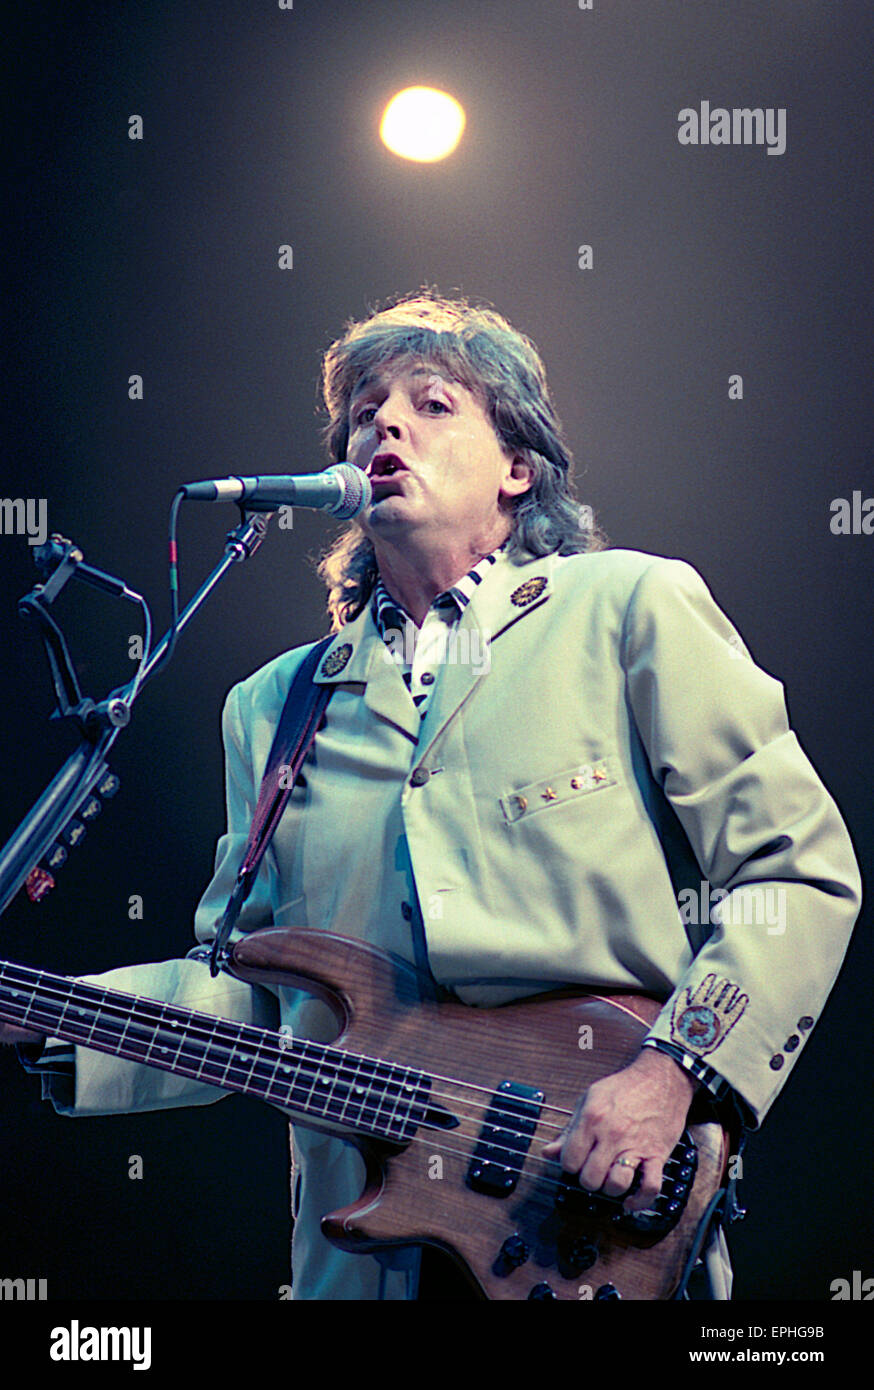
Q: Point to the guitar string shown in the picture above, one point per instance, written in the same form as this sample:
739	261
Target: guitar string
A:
457	1102
550	1164
335	1058
276	1055
193	1021
530	1161
208	1022
235	1069
431	1141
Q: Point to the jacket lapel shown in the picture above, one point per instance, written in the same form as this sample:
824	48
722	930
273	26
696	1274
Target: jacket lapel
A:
358	656
508	593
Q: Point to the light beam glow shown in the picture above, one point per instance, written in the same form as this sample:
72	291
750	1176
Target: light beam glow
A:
422	123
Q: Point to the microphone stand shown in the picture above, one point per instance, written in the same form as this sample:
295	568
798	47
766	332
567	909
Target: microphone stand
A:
86	775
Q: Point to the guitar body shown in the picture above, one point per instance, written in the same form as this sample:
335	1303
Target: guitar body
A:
540	1237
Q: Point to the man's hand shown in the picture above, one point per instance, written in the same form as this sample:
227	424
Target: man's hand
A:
10	1034
636	1115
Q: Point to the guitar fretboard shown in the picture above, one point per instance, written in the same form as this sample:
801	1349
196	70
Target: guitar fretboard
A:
353	1092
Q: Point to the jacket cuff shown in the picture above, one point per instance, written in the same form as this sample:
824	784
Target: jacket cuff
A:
54	1063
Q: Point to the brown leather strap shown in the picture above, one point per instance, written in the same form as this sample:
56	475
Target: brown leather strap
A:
295	734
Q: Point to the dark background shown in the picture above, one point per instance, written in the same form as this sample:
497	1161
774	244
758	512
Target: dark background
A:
159	257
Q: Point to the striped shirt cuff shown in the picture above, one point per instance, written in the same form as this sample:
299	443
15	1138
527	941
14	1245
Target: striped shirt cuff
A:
714	1083
54	1062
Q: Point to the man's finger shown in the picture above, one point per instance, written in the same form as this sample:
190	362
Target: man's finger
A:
593	1172
650	1185
571	1148
620	1174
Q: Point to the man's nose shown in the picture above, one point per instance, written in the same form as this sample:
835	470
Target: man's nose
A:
389	419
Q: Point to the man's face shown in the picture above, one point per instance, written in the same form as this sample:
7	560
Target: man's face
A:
432	455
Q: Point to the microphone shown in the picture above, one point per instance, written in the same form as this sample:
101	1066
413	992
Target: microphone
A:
343	490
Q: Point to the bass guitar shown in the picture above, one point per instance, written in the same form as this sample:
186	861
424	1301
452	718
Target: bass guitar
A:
427	1089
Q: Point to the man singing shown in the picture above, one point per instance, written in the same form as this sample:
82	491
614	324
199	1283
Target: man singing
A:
536	752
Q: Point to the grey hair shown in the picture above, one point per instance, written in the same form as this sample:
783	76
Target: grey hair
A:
502	368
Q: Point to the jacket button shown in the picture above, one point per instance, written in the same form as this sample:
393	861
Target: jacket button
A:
776	1062
791	1043
805	1022
406	912
427	678
419	777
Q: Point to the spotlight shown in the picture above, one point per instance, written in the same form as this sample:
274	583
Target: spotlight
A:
422	123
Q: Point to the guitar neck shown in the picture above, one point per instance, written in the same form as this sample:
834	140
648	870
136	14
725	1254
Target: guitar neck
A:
327	1085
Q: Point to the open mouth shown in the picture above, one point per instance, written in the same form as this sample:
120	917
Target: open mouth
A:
384	472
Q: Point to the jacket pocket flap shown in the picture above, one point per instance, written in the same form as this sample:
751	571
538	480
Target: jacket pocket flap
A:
563	786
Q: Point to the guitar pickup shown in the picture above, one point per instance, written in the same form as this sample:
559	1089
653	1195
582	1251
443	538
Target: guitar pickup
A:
657	1220
505	1139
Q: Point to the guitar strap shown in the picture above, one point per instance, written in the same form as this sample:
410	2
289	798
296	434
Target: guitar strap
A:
298	725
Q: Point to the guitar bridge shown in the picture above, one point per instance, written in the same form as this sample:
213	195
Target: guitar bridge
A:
505	1139
656	1221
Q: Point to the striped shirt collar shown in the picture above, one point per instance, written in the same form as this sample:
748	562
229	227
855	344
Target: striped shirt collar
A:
389	615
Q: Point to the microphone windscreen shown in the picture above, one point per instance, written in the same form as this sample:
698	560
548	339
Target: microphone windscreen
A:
357	491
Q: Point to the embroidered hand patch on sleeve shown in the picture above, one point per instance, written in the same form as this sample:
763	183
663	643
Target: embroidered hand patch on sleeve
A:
704	1016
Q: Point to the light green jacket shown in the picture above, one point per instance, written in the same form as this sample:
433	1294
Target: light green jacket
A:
599	763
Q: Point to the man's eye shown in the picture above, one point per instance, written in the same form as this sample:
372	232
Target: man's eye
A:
359	418
441	405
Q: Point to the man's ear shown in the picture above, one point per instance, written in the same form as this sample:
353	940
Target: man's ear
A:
519	479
